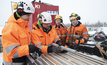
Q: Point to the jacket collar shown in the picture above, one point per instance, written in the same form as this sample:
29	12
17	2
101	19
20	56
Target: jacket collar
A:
19	20
59	26
76	24
44	29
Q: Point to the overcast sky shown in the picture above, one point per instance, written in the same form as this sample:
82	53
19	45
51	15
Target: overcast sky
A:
90	10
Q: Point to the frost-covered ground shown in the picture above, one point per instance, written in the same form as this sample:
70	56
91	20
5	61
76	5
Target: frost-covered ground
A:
92	30
94	56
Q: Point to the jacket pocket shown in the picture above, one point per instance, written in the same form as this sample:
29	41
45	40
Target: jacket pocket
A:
42	39
24	39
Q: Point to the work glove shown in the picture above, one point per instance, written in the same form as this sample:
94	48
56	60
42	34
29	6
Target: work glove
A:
64	51
59	42
33	49
79	41
54	49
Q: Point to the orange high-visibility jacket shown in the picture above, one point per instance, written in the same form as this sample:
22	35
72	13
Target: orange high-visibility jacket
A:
15	39
35	23
42	39
62	32
78	31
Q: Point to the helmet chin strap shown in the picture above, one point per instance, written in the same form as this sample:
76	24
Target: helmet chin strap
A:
19	15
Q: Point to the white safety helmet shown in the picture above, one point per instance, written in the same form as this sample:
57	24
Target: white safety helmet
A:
25	5
46	17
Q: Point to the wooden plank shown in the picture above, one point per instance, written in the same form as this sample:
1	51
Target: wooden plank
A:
74	60
82	59
52	59
48	60
43	61
66	59
70	58
58	59
91	58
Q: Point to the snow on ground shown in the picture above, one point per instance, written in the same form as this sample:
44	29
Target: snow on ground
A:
94	56
92	30
1	58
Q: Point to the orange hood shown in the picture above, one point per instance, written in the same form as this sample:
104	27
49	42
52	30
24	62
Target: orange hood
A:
19	21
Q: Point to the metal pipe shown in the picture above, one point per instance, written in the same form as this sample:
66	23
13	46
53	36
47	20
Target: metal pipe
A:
64	48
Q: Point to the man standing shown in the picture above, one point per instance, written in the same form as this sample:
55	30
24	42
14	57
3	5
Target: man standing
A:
16	35
77	32
43	35
60	29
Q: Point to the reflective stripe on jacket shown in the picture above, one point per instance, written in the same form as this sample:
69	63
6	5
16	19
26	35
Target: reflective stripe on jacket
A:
62	32
15	39
79	31
42	39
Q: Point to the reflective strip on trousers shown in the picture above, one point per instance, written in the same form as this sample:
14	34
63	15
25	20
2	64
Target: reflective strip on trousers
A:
37	44
7	63
69	41
49	45
84	33
55	40
10	48
66	40
62	35
85	37
74	35
59	35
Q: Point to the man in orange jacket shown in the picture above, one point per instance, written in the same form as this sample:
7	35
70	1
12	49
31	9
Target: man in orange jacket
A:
43	35
39	19
16	35
60	29
77	32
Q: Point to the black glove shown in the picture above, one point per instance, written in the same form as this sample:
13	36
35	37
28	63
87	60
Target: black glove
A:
54	49
33	48
49	49
75	46
64	51
59	42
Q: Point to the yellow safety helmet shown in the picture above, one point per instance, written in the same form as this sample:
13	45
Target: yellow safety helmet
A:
74	16
58	17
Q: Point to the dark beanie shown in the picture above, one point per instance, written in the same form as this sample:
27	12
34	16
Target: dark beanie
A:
21	12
